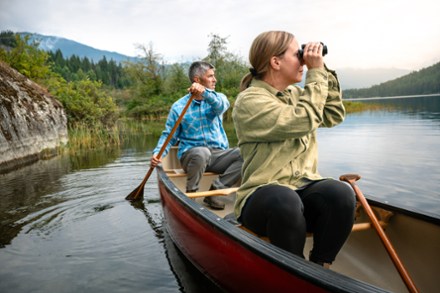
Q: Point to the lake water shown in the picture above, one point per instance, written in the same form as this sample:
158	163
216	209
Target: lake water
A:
66	227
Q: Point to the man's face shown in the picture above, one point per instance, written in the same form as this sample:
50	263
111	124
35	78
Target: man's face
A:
208	80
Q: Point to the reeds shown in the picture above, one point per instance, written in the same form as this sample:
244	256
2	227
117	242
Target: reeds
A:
87	137
353	107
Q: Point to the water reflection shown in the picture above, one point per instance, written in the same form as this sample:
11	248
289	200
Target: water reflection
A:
35	187
78	233
425	107
395	151
93	159
189	278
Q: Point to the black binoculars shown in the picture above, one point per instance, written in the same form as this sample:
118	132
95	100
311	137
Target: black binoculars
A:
301	51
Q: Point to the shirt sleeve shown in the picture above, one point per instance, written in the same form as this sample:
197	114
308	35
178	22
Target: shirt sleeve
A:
218	101
334	111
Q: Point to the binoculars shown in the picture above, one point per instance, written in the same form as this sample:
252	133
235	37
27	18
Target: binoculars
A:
301	51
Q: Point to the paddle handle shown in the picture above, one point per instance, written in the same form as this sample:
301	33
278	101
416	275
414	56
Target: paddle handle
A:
351	179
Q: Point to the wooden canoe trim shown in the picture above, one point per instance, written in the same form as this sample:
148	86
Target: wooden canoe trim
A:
174	175
225	191
365	226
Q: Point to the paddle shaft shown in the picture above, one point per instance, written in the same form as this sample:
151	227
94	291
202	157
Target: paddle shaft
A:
351	179
135	195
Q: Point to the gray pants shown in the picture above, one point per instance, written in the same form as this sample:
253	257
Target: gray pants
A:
226	163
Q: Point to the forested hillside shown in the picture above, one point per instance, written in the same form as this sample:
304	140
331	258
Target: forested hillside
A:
424	81
98	93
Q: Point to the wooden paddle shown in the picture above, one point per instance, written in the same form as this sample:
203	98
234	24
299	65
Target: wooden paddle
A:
351	179
138	193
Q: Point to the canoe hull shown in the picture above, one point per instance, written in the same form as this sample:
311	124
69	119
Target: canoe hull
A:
237	261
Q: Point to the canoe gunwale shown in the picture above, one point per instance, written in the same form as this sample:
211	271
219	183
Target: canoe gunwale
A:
412	212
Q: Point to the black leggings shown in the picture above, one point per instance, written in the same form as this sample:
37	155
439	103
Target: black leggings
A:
325	208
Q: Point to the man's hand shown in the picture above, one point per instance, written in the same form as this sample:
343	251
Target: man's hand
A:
197	90
155	161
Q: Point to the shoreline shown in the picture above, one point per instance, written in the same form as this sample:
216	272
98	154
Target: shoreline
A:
392	97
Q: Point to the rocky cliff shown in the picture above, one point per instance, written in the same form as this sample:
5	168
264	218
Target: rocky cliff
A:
32	122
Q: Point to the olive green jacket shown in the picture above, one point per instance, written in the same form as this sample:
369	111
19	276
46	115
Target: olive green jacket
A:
277	131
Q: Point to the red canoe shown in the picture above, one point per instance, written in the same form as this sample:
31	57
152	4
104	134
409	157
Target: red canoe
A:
238	261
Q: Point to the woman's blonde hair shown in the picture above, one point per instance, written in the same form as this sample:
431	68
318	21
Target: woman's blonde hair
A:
264	47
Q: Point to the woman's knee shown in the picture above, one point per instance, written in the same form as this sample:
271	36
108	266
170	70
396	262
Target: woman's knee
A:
345	195
338	193
284	202
274	209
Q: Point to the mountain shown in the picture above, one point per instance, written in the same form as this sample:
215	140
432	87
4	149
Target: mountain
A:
352	78
69	48
422	82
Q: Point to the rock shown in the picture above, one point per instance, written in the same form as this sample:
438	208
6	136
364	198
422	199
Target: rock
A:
33	124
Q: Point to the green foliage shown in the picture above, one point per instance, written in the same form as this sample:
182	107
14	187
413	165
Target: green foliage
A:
176	80
217	50
425	81
7	39
85	101
352	107
74	68
84	136
145	74
24	57
230	68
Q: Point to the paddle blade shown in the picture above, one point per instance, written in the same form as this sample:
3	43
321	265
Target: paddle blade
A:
136	194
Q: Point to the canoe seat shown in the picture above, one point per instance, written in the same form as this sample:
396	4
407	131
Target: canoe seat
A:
231	219
251	232
172	173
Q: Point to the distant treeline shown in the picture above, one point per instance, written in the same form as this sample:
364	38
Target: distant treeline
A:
76	68
424	81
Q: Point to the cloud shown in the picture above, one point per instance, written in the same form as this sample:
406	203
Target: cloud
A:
360	34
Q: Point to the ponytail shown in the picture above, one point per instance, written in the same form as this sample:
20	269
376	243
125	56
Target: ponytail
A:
245	81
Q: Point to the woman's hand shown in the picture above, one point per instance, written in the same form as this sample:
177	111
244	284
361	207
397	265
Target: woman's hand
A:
313	55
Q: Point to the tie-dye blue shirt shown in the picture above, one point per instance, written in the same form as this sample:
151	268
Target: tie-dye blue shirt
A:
202	124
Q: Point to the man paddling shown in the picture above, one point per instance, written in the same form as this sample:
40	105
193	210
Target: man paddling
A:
203	144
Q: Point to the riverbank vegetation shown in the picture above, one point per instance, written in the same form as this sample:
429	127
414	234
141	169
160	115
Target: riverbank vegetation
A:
98	95
422	82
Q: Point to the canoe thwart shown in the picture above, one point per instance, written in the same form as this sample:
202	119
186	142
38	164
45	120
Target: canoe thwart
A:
217	192
173	173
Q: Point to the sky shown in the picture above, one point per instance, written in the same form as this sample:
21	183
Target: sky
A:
359	33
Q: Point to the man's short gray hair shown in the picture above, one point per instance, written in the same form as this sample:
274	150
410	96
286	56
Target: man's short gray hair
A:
199	69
